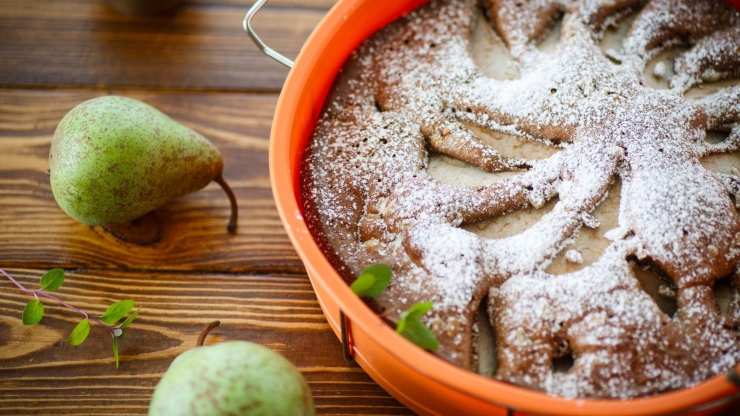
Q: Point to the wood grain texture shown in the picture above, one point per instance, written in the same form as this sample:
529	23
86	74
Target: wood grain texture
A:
199	67
322	5
47	43
35	231
42	374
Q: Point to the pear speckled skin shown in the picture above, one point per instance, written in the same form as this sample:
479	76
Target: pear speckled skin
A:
114	159
231	378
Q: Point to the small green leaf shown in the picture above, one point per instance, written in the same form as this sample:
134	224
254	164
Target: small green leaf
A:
363	283
117	311
372	281
79	333
115	350
413	329
52	280
33	312
129	319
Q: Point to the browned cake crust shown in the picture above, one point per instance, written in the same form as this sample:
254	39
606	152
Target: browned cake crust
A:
414	88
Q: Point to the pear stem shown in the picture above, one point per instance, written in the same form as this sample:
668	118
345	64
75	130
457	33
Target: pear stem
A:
205	331
231	227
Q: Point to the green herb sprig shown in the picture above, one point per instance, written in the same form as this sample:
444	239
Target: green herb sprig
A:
372	281
413	329
115	320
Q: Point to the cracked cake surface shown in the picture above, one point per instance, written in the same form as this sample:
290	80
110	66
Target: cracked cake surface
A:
415	90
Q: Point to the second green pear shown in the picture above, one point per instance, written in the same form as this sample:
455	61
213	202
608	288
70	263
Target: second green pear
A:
236	378
114	159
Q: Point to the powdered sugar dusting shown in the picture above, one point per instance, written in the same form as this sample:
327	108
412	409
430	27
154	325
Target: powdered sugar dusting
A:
414	87
574	256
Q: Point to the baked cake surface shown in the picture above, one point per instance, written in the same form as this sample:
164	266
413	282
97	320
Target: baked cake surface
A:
526	228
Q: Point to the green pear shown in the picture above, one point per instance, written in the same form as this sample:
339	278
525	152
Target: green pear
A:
114	159
231	378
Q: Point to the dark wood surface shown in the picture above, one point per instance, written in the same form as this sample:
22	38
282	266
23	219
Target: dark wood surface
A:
202	46
199	67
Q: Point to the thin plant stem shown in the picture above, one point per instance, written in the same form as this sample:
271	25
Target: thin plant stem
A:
46	295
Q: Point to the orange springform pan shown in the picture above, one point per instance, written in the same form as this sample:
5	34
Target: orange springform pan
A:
420	380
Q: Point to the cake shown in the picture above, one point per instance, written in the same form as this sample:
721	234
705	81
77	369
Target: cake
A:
559	178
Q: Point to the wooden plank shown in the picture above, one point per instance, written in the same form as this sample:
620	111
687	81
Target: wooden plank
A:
301	4
81	43
34	232
41	374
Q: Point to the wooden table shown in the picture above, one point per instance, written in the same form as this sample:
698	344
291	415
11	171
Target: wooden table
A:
198	66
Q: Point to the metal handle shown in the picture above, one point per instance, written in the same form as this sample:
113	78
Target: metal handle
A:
247	25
